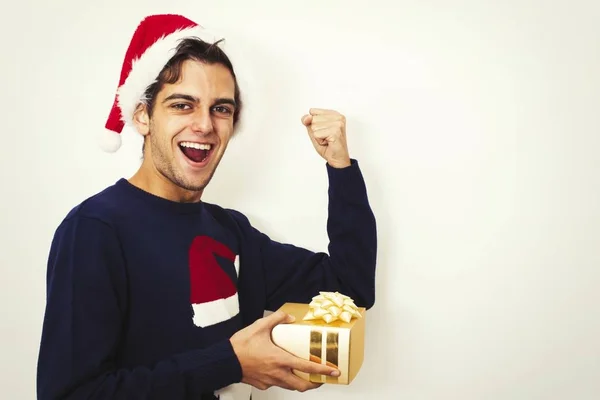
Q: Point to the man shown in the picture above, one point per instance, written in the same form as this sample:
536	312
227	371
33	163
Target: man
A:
154	294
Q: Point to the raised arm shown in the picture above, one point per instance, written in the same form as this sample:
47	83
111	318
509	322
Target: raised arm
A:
295	274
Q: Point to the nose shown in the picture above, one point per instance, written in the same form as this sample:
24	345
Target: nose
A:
202	121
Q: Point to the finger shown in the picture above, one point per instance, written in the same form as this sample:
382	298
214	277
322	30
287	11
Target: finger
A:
311	367
307	120
319	129
278	317
327	118
316	142
328	135
294	382
320	111
317	124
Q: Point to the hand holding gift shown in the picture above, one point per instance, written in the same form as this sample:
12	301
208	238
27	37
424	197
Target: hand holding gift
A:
264	364
329	331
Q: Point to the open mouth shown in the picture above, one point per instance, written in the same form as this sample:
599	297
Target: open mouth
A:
196	152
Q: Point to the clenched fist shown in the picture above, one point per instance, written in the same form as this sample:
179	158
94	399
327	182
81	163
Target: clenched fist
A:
327	130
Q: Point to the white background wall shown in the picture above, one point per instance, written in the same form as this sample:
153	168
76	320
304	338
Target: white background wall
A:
477	127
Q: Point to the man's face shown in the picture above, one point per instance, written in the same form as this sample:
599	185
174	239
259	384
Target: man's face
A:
191	125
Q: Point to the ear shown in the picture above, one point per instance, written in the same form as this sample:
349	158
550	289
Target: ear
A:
141	119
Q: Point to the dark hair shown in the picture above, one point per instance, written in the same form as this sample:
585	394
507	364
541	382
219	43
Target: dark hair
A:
191	49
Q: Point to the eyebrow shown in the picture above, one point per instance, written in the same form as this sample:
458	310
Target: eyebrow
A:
181	96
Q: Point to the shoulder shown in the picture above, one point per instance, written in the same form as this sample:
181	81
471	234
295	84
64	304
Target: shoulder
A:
89	229
236	222
87	239
228	216
102	207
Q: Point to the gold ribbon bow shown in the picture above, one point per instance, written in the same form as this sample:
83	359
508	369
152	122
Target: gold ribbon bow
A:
331	306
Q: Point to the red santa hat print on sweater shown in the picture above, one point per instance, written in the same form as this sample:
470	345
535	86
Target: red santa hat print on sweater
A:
213	293
153	44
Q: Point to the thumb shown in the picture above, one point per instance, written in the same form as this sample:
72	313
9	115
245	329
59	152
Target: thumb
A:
278	317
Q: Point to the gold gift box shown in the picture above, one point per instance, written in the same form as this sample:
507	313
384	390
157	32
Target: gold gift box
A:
338	343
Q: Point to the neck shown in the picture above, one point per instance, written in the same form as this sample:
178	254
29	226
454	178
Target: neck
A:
149	179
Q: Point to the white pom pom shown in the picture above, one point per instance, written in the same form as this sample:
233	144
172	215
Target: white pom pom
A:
109	141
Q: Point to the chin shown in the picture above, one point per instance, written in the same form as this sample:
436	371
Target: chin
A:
192	183
194	165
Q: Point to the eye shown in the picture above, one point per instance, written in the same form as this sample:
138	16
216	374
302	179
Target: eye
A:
181	106
222	109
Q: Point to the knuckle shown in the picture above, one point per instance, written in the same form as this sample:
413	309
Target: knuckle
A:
279	374
266	383
304	387
273	360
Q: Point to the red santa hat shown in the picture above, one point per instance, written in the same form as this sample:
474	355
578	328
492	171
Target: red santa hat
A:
153	44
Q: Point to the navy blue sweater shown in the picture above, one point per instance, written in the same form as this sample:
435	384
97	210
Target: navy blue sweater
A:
144	293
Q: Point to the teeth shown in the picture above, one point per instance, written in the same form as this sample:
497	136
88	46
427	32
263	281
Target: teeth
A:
199	146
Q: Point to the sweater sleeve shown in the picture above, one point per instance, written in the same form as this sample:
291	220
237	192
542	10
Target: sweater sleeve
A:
84	320
295	274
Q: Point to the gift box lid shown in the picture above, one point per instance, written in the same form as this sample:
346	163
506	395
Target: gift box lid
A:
299	311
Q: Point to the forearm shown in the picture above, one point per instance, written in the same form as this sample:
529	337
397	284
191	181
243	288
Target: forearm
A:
352	231
182	376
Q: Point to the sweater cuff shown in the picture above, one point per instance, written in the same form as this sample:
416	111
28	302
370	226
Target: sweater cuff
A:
346	181
333	172
215	367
